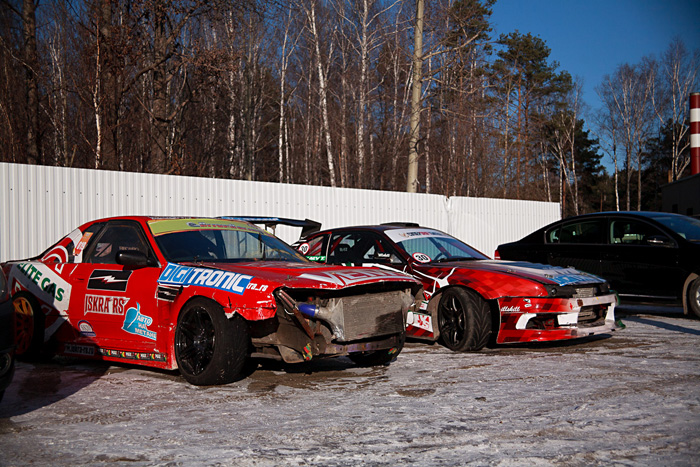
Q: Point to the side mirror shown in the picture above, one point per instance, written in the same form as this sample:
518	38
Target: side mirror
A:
132	258
659	240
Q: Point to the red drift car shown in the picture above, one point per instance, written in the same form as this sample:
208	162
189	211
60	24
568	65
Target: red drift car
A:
202	296
469	295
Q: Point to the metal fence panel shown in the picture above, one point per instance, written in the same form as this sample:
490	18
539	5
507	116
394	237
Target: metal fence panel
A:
40	204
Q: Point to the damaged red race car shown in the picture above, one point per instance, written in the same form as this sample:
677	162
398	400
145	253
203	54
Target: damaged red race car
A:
467	296
202	296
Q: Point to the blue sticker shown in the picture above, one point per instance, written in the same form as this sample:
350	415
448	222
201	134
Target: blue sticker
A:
175	274
136	323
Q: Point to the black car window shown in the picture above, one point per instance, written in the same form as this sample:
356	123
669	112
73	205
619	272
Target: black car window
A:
632	232
589	231
360	247
116	237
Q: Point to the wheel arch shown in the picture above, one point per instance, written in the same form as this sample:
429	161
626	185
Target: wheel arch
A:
686	286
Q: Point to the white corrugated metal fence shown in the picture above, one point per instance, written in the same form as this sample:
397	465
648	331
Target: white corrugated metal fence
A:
41	204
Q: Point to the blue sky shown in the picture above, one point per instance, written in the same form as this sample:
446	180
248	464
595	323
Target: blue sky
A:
590	38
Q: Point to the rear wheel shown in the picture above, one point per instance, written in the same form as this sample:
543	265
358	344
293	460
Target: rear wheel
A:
378	357
694	297
464	320
29	326
210	348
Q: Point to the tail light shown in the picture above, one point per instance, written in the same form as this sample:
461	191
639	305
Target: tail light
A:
496	255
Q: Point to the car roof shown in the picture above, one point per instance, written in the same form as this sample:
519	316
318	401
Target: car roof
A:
377	227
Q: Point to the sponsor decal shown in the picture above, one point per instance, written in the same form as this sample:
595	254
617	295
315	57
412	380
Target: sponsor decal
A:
257	287
304	248
82	243
401	235
321	259
423	304
136	323
114	281
85	329
344	278
156	357
421	257
163	226
419	320
84	350
105	305
175	274
42	277
510	309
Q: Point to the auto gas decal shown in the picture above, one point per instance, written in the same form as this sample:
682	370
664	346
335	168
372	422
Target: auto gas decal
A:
344	278
136	323
44	283
113	281
85	329
175	274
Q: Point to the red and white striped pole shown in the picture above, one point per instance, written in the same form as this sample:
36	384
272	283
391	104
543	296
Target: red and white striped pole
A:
695	133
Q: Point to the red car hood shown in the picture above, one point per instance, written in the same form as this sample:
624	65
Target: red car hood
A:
296	275
541	273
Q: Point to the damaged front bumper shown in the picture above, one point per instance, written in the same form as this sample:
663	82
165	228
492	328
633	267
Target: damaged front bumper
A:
332	326
549	319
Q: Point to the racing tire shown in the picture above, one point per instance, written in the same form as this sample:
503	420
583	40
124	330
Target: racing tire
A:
464	320
378	357
29	327
694	297
210	348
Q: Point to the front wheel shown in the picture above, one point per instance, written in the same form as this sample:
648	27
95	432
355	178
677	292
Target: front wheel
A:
694	297
210	348
378	357
464	320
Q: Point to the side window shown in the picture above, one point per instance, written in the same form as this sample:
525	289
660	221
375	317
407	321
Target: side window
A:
580	232
361	247
115	237
342	248
314	248
632	232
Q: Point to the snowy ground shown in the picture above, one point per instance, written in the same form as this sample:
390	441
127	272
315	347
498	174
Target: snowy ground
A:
630	399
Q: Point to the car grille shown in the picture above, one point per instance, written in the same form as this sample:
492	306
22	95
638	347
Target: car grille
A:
590	316
373	315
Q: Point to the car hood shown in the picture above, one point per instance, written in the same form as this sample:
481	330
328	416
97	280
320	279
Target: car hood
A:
278	273
541	273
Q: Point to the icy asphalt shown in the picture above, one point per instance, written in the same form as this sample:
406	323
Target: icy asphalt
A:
629	399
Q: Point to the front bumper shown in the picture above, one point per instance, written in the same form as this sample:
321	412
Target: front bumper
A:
542	319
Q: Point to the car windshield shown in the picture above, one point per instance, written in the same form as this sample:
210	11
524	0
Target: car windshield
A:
686	227
214	240
427	245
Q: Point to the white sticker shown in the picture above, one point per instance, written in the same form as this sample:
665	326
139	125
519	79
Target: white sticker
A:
304	248
421	257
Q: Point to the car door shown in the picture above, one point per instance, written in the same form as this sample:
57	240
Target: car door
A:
576	244
641	260
112	305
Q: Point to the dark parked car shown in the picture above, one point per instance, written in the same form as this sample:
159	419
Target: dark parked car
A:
645	256
7	335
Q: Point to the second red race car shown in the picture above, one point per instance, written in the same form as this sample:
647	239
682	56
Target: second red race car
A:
467	296
202	296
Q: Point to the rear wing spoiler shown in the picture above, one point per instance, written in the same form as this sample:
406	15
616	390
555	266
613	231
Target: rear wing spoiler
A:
307	225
